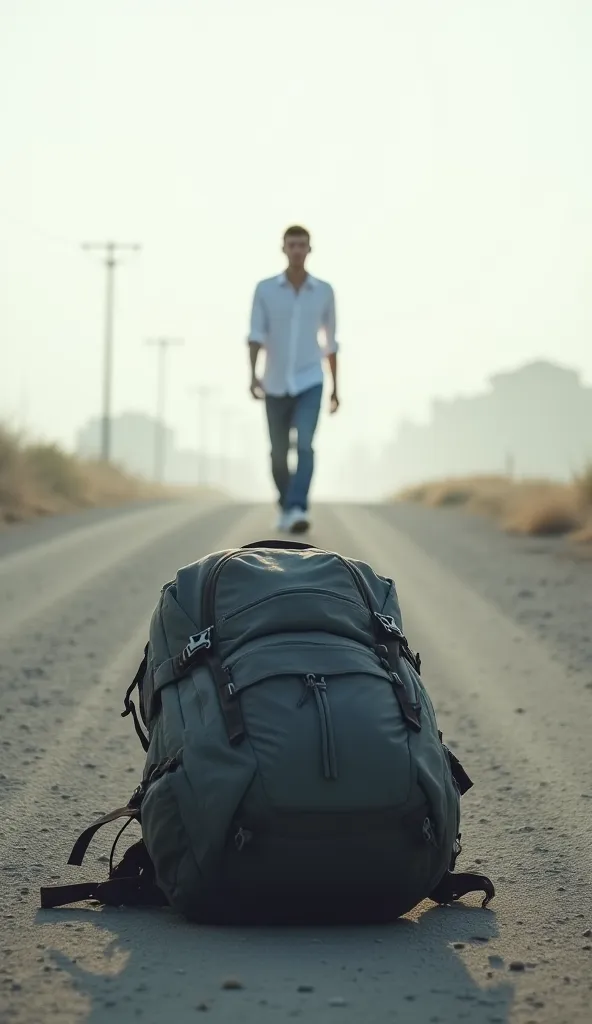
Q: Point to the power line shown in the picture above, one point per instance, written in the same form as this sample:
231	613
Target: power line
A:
110	249
163	345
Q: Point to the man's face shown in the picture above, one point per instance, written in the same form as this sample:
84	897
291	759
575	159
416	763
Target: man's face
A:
296	248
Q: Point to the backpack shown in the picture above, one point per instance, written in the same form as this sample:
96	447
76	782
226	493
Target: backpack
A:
294	766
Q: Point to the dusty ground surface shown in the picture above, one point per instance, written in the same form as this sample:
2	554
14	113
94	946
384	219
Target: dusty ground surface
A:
503	626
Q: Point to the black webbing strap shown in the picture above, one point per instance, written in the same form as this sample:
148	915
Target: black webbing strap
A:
452	887
195	651
130	707
392	647
61	895
410	710
83	842
115	892
131	882
463	781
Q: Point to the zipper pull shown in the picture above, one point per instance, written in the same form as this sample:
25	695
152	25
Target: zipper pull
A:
229	688
242	837
311	683
428	832
318	686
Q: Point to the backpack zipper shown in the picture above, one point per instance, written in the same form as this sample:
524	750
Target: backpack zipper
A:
318	686
318	591
208	610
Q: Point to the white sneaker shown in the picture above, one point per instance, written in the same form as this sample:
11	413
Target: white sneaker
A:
281	523
297	520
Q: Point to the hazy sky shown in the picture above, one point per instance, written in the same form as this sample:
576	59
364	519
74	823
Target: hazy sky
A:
438	150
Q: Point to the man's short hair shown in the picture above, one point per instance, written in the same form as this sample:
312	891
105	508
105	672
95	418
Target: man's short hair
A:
296	231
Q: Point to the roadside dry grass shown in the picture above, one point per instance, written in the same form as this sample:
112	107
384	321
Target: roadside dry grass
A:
537	508
38	479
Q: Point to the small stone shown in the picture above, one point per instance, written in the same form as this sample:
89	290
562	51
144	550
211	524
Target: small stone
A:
517	965
458	945
520	711
232	984
337	1001
202	1008
588	933
305	988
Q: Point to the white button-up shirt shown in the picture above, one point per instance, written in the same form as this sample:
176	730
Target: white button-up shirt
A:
287	324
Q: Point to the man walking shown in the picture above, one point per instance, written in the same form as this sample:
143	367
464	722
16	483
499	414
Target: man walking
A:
288	314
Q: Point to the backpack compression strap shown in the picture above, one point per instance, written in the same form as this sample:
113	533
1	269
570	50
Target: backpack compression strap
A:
130	707
131	883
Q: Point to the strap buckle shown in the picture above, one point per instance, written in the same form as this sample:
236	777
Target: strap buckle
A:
390	627
197	643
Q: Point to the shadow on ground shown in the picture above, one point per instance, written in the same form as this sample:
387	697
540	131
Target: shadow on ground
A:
149	965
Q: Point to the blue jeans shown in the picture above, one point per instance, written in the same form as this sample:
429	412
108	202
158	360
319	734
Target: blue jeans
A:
300	412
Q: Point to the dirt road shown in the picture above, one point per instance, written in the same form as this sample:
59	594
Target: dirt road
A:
503	627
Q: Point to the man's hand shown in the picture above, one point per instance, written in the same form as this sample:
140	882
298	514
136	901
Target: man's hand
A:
257	388
332	360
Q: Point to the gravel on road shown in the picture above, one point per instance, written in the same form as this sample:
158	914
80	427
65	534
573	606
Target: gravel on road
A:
503	626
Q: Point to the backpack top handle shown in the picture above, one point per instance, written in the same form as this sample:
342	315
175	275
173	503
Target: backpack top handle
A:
283	545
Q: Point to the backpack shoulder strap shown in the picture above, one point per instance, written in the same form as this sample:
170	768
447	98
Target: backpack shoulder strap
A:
131	883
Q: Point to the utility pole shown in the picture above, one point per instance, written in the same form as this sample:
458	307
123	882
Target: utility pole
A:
163	345
203	393
111	262
232	430
224	434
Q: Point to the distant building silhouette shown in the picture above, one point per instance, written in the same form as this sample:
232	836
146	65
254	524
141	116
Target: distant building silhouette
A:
133	440
536	420
133	436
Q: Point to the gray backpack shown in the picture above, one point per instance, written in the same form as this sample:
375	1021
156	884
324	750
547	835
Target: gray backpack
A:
294	767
